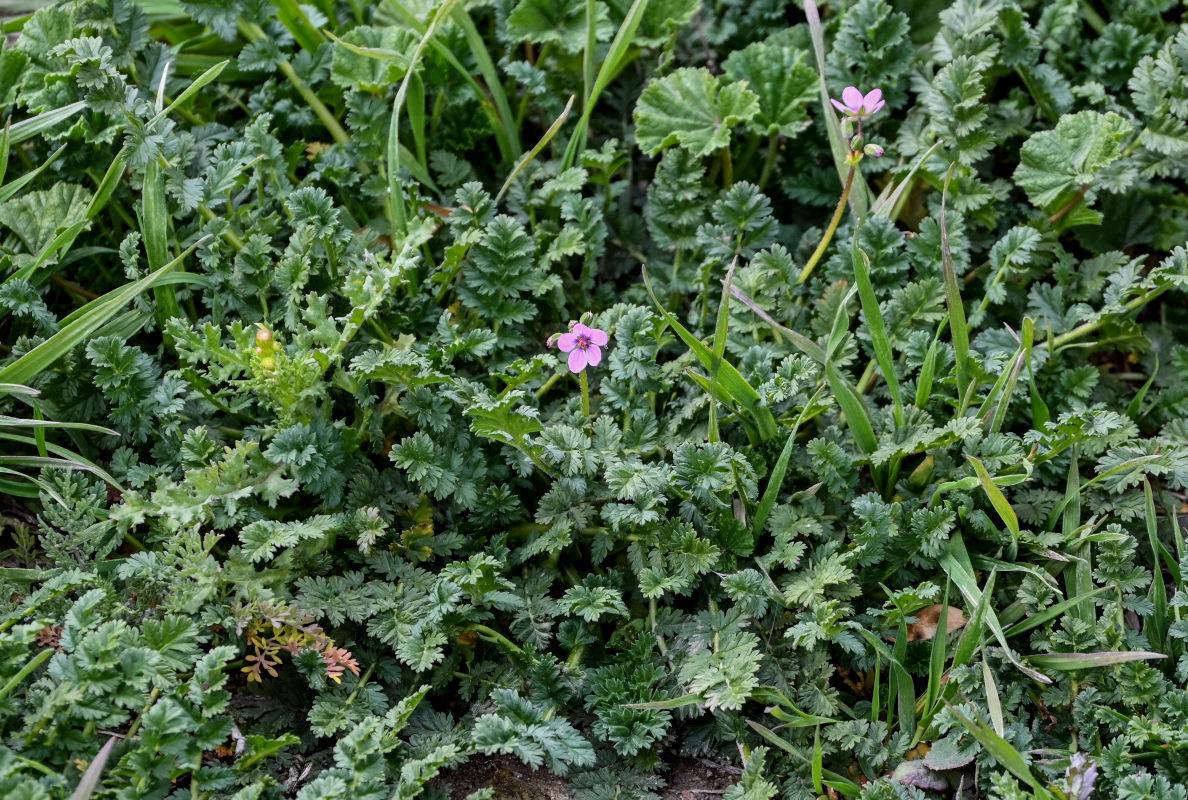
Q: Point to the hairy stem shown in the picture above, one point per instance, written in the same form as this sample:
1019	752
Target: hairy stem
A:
1067	207
833	223
773	146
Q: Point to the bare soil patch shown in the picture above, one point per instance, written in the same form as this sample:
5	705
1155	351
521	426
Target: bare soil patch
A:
688	779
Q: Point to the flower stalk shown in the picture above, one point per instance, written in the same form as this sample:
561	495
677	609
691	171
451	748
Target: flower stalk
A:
856	107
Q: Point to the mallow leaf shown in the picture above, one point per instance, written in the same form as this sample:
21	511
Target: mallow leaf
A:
561	21
783	81
1056	164
691	108
661	18
36	217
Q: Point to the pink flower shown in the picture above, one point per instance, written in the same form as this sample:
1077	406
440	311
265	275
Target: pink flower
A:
583	344
856	105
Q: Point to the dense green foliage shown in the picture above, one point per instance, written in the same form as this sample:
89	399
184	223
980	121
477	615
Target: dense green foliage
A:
320	514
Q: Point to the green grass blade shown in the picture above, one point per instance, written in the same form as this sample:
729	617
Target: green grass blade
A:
111	179
901	691
415	108
1134	407
838	782
62	241
957	324
993	701
1003	752
1080	580
18	389
853	409
1071	662
154	226
526	159
398	214
876	326
1008	390
1052	612
503	131
10	190
997	498
90	779
189	92
4	145
1156	624
17	422
616	57
848	400
887	202
65	455
721	330
955	562
290	14
802	342
936	658
478	49
1130	464
79	326
733	384
837	143
34	662
818	762
46	120
772	492
928	372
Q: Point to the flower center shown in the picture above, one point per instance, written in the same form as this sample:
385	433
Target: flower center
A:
583	342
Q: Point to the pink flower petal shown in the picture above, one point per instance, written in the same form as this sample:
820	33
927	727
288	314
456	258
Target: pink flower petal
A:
839	106
598	337
581	330
577	360
876	106
593	355
852	97
873	98
567	341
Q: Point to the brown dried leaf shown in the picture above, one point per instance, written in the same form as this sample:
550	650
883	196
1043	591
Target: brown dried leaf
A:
928	620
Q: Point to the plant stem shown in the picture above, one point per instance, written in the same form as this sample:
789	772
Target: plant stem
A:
727	168
833	223
548	384
585	393
496	638
135	726
652	620
1089	327
773	144
252	32
1052	220
36	662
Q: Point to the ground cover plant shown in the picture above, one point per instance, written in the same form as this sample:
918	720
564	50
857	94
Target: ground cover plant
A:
596	384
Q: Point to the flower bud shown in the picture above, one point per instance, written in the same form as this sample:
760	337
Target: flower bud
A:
587	318
873	150
268	363
259	351
552	340
263	336
856	142
847	127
